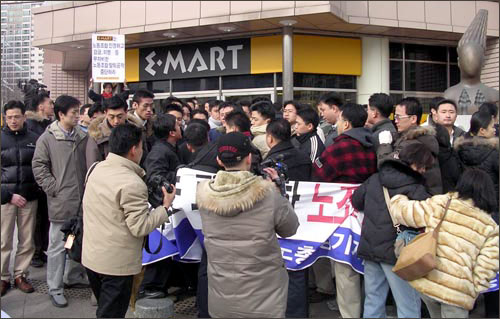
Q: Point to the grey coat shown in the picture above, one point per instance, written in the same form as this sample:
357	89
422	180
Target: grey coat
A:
59	168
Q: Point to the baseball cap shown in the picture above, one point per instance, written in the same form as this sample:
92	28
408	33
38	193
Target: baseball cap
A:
233	147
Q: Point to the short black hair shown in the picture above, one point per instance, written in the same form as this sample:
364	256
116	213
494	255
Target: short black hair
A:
106	84
213	103
96	108
171	99
296	104
14	104
201	122
238	119
478	121
489	108
332	99
434	102
446	101
142	94
163	125
64	103
123	137
84	107
196	135
38	99
477	185
199	111
413	107
243	103
265	109
172	107
354	114
309	116
382	102
280	129
417	153
115	103
191	100
262	99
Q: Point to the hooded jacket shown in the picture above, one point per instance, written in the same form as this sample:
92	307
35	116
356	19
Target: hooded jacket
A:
467	247
36	123
416	134
310	144
350	159
479	152
259	139
241	215
17	153
377	232
298	163
59	168
98	142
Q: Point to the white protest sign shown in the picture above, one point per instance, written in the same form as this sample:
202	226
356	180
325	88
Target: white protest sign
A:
108	57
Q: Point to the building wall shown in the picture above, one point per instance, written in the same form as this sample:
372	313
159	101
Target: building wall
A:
489	74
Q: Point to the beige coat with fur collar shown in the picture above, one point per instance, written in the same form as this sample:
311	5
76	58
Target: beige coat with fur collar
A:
467	252
241	214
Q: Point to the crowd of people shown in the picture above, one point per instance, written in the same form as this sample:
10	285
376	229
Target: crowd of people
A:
49	172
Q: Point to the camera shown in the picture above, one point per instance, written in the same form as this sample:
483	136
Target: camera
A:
31	89
155	193
280	167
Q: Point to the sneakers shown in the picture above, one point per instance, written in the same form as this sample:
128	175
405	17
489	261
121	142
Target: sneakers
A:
58	300
5	286
22	284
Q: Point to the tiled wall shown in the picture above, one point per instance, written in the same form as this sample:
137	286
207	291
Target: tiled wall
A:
489	75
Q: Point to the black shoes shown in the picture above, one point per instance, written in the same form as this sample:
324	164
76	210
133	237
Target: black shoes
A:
151	294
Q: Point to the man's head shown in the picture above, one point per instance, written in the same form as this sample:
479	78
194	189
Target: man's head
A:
67	110
200	115
380	107
290	109
14	115
126	140
234	151
224	109
262	113
176	111
186	113
352	116
196	136
213	109
166	127
408	113
418	156
84	114
116	111
490	108
446	113
307	121
192	102
330	106
96	110
237	121
108	88
43	104
142	103
278	131
245	106
433	108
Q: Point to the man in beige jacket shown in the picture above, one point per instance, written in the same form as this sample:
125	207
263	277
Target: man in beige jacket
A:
116	219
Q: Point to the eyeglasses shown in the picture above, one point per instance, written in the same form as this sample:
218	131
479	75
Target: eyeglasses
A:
399	117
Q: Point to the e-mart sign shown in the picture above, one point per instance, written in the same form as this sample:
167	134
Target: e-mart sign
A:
311	54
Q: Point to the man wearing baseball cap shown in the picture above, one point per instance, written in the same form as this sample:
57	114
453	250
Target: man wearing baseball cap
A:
241	215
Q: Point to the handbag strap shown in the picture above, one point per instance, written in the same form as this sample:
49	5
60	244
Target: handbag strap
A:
436	230
91	168
388	203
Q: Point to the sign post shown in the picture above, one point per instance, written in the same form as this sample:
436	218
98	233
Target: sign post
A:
108	58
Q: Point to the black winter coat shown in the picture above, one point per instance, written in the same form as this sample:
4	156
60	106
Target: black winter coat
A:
449	162
36	123
377	232
310	144
205	159
298	163
17	175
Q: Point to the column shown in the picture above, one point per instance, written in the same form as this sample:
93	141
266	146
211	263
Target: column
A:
287	63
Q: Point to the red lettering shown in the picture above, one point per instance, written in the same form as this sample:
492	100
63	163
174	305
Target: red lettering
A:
320	199
345	202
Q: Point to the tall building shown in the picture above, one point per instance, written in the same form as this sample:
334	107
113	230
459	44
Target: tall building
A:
20	60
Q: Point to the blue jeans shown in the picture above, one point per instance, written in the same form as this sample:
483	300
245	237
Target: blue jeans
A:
378	279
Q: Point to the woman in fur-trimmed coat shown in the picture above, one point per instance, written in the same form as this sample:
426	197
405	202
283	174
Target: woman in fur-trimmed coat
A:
467	243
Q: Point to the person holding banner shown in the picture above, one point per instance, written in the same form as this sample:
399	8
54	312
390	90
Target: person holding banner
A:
467	244
107	92
241	215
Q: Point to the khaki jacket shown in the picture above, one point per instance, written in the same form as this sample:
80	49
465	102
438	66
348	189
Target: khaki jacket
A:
241	214
259	139
59	168
116	217
467	252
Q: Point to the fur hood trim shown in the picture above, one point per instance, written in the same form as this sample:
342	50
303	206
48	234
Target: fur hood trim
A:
416	132
463	142
30	115
231	193
99	129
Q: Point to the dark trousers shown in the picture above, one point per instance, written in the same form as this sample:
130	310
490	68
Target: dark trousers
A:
167	273
42	224
297	305
491	304
112	294
202	290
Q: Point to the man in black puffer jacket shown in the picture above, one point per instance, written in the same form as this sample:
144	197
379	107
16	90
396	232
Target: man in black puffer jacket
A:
19	195
378	234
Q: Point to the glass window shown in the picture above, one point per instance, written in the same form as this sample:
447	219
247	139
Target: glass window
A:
247	81
161	86
396	75
395	50
425	77
453	55
324	81
311	97
425	52
200	84
136	86
454	74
